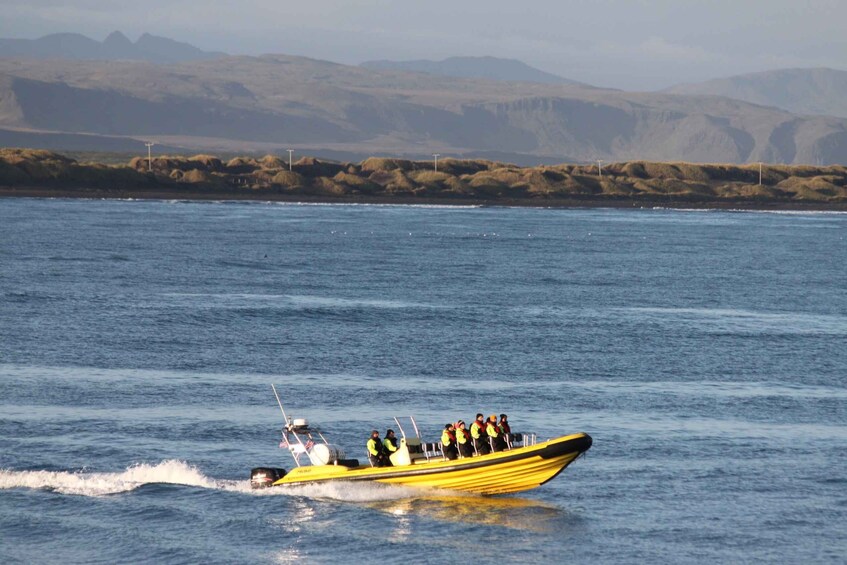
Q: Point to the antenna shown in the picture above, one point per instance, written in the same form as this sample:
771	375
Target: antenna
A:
280	405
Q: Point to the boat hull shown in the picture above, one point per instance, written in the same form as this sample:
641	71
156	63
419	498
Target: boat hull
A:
504	472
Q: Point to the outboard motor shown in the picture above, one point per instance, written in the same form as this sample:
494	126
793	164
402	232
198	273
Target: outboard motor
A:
263	477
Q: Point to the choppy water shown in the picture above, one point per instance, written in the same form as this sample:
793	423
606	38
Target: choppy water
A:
704	352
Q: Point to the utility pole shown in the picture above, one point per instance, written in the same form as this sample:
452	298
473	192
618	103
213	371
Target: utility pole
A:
600	168
149	144
435	156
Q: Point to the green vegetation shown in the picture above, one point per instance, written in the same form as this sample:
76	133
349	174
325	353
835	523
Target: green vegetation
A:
28	171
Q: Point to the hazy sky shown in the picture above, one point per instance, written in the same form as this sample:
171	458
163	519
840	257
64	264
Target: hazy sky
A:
634	44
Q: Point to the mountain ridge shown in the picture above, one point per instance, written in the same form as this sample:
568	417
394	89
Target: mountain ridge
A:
116	46
806	91
486	67
234	102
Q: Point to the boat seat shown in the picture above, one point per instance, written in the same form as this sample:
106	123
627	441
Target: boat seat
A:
432	450
348	462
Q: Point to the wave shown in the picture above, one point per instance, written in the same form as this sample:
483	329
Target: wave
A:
707	388
176	472
296	301
377	205
754	211
309	204
747	321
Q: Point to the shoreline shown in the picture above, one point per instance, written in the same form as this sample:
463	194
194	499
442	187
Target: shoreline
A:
564	203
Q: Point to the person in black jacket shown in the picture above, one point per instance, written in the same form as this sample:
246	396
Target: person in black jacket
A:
376	451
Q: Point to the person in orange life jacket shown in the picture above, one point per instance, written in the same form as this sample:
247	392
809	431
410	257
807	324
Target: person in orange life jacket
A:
495	436
390	442
479	437
448	442
505	428
376	451
463	440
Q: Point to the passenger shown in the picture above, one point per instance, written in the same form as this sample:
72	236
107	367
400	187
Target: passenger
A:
448	442
506	429
479	437
463	440
376	451
390	442
495	436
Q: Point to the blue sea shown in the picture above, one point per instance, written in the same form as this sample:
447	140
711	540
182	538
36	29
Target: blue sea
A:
704	351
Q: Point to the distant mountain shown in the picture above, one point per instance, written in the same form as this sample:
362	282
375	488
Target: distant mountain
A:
115	47
490	68
802	91
273	101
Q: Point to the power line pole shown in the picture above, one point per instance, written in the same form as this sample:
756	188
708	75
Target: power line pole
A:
149	144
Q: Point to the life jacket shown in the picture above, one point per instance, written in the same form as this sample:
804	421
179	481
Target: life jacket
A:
375	447
462	436
479	428
491	429
390	444
505	428
447	438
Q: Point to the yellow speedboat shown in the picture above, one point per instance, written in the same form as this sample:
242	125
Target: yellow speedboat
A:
523	465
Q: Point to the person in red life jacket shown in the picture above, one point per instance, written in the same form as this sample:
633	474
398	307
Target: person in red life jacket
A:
479	437
504	424
463	440
505	429
448	442
495	436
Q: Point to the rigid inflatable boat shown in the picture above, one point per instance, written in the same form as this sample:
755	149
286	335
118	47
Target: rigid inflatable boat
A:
524	464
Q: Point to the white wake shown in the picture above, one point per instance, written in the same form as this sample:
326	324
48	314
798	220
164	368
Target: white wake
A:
177	472
100	484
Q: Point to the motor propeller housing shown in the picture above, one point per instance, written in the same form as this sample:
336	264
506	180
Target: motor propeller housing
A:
263	477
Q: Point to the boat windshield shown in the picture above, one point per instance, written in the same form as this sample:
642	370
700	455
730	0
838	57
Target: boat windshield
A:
411	427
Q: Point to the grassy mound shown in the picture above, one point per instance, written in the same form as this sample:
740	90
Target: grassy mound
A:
373	164
456	178
288	179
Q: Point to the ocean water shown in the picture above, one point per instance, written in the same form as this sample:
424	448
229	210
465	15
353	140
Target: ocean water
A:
704	351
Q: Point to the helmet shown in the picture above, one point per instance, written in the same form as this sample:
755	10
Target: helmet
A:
493	417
